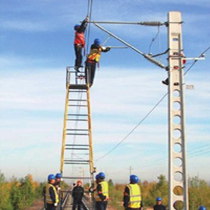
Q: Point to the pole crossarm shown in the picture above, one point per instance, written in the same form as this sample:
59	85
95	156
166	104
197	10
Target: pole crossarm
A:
145	23
148	57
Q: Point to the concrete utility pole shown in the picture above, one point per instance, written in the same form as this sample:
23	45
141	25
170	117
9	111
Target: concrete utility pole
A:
178	186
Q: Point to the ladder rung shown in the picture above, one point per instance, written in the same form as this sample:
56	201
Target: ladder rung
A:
77	148
78	105
77	120
82	145
77	129
76	160
78	87
77	100
76	163
78	115
77	134
77	91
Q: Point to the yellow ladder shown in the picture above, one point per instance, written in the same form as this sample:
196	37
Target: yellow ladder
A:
77	149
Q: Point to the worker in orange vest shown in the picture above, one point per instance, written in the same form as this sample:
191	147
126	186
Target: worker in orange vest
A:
92	59
79	42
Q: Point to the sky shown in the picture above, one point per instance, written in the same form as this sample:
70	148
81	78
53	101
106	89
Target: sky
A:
36	45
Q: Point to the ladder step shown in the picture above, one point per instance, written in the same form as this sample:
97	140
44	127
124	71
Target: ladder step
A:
85	115
78	105
77	134
77	100
77	91
81	145
76	163
76	129
72	148
77	120
79	87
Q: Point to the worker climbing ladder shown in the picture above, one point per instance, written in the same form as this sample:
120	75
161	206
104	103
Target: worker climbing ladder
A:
77	151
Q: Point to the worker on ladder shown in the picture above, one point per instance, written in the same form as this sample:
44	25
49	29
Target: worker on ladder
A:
51	193
79	42
159	205
101	194
132	194
92	59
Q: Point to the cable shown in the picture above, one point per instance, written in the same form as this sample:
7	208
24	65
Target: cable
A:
196	60
144	118
153	39
89	14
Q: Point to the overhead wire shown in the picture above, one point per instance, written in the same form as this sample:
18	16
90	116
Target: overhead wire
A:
144	118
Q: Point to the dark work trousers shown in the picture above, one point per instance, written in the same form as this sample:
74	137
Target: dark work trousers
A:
78	54
51	207
90	69
101	205
77	204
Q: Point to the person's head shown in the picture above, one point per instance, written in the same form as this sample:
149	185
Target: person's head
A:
159	200
58	177
79	183
97	178
134	179
202	208
101	176
97	41
76	27
51	178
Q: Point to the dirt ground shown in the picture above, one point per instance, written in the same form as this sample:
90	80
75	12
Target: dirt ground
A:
37	205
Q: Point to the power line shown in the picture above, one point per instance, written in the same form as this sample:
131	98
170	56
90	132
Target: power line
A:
144	118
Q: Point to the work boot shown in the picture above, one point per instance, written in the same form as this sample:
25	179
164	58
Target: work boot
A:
76	68
165	82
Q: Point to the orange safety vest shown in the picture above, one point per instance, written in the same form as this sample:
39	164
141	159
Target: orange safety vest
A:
79	38
95	55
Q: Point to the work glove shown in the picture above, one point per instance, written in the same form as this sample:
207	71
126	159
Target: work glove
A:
55	204
108	48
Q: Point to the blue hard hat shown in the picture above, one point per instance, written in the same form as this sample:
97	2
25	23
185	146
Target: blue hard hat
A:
97	41
101	175
202	208
134	179
97	176
158	199
58	175
50	177
76	26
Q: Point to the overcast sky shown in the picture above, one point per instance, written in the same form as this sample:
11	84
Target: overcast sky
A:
37	45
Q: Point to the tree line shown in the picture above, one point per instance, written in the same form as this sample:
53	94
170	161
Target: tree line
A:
199	193
18	194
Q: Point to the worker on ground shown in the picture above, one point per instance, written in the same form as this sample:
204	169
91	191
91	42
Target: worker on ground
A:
51	193
79	42
132	194
202	208
159	205
77	195
57	181
92	59
101	194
